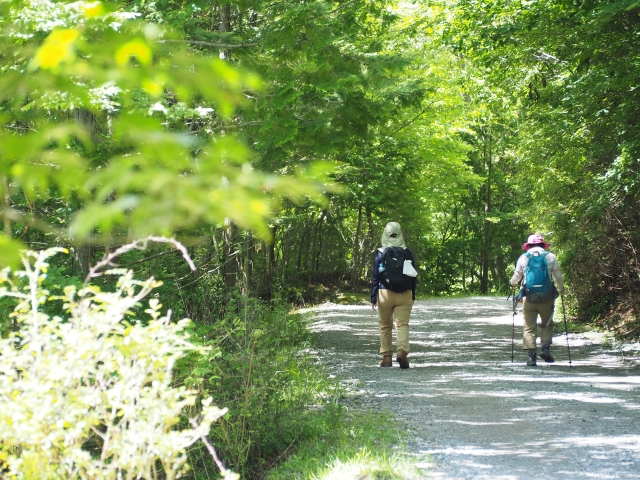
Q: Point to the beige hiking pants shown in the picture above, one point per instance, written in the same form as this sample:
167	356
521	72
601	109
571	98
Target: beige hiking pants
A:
392	304
530	311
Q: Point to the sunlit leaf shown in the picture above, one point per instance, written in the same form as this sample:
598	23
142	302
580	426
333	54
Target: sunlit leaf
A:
10	251
136	48
57	48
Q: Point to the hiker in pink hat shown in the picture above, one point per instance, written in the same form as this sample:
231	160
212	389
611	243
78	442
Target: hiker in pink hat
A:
535	269
534	240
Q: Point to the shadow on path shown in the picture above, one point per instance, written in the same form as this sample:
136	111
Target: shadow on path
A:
476	414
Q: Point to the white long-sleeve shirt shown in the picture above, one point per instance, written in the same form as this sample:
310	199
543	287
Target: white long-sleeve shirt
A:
552	267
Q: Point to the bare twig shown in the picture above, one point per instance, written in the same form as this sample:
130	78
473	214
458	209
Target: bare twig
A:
12	127
234	126
146	259
407	123
286	451
31	221
212	44
212	451
138	245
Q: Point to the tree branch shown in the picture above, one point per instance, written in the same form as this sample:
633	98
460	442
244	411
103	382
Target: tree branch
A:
212	44
137	245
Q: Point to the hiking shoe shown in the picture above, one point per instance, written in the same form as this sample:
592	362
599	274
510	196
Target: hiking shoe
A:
531	359
402	359
545	355
386	361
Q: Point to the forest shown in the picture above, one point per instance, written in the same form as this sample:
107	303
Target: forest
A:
245	155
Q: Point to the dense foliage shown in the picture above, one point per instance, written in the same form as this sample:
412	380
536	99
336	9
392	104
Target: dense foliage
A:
276	139
571	69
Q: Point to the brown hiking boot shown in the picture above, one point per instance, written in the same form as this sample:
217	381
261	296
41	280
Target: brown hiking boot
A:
386	361
546	355
402	359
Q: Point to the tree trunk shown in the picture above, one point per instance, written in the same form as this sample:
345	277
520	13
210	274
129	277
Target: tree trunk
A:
303	238
247	265
464	253
355	266
85	251
230	256
484	281
371	241
271	261
225	26
319	243
5	201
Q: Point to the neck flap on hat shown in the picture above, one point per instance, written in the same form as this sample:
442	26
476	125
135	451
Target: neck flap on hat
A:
392	236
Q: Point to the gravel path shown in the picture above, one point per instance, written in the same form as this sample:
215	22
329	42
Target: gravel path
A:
477	415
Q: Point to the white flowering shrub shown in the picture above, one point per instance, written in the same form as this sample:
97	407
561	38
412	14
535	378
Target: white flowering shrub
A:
90	395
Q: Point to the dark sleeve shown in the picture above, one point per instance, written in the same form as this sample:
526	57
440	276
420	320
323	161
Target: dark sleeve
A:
375	276
414	280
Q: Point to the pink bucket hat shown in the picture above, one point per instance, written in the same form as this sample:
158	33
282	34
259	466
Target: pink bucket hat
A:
533	239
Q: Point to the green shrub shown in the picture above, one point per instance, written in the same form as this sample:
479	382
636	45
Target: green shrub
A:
259	367
90	394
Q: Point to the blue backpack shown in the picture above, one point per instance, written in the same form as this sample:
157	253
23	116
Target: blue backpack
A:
539	287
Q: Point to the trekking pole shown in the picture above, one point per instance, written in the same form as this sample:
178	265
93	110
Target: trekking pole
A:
566	333
513	324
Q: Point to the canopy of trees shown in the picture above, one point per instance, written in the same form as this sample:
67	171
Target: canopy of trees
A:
276	139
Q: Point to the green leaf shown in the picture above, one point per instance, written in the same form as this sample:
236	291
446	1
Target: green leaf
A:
10	252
